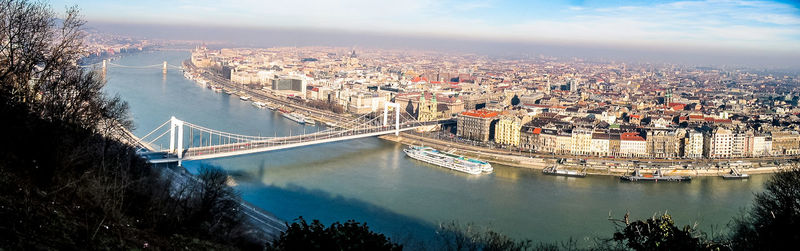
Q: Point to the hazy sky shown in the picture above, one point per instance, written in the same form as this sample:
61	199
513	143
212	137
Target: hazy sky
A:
769	27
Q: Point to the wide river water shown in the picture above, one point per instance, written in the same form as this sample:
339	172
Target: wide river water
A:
371	180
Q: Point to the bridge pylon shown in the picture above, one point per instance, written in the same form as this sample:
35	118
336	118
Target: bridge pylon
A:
396	107
164	69
174	148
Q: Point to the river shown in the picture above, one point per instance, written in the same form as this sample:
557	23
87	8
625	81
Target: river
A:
370	180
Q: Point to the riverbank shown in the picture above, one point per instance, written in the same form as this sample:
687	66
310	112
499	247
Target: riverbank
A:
597	166
327	117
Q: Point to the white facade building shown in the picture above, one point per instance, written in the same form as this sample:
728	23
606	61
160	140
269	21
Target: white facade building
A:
600	144
721	144
693	145
762	145
632	145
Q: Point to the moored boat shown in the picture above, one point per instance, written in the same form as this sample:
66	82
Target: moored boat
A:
740	176
735	175
448	160
553	170
293	117
260	105
656	176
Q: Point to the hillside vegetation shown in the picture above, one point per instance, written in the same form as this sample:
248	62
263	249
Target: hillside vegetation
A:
65	181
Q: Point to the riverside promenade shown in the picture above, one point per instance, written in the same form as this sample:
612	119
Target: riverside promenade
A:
594	165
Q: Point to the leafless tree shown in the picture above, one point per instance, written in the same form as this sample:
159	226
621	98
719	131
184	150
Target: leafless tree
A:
39	54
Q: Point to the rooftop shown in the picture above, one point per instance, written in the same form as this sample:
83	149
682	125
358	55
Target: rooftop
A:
480	113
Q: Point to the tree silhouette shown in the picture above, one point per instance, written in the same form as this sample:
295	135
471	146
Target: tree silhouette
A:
773	221
660	233
515	100
351	235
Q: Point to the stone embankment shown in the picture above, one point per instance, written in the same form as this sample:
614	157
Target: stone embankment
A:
601	166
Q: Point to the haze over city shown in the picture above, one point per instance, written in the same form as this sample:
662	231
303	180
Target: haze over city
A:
751	33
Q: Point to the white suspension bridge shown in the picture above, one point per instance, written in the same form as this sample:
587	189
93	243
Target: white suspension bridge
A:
105	64
188	141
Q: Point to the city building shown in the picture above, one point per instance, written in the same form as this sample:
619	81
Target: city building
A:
581	141
785	143
721	144
476	125
762	145
632	145
662	144
507	130
693	145
427	110
600	144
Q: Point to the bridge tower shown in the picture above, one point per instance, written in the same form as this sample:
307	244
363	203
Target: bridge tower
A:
104	67
176	149
164	69
396	116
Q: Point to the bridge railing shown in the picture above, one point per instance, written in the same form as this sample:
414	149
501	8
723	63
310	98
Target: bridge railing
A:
228	142
286	141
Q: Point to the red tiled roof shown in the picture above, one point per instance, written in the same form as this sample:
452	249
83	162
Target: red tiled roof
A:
631	136
480	113
419	79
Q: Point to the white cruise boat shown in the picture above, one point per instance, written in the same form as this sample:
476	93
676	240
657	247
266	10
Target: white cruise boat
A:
260	105
448	160
294	117
309	121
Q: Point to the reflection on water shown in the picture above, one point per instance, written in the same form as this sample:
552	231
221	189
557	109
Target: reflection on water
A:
372	180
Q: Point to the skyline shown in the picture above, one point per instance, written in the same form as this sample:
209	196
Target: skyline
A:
766	26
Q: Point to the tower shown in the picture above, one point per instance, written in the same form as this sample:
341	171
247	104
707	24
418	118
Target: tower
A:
427	111
573	86
547	87
668	97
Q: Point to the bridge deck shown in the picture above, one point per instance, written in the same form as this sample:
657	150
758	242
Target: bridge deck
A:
228	150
